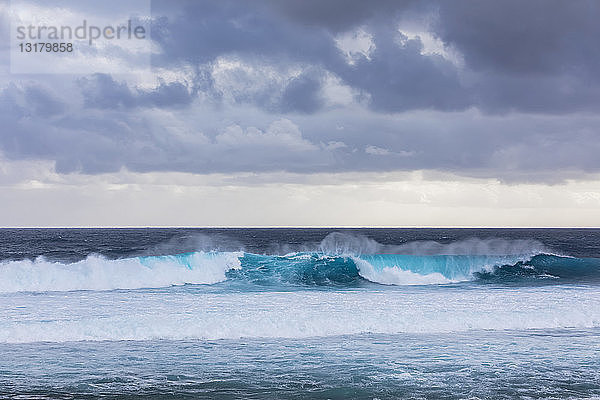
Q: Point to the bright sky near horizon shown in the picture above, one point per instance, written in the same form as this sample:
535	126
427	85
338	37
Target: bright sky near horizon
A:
307	113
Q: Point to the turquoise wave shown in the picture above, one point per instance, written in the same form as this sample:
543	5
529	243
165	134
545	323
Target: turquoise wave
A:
247	270
314	269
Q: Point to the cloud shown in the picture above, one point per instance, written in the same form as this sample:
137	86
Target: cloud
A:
205	139
339	15
35	195
395	77
303	94
398	77
280	146
532	57
514	37
90	140
377	151
201	31
535	56
310	87
103	92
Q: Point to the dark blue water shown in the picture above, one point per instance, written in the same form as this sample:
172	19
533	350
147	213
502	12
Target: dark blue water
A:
75	244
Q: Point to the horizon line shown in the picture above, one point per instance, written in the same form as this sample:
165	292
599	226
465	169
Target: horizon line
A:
296	227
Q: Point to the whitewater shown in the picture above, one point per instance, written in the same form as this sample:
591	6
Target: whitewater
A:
96	272
220	313
189	314
99	273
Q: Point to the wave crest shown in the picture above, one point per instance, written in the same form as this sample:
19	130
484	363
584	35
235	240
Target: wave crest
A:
339	243
98	273
247	270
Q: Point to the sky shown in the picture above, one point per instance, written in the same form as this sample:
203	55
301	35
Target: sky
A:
311	113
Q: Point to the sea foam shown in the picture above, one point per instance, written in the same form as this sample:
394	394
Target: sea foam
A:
196	314
98	273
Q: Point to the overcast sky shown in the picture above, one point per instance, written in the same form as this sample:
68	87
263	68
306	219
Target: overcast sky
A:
316	112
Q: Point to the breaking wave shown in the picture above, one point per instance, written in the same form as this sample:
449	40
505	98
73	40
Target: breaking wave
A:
98	273
295	269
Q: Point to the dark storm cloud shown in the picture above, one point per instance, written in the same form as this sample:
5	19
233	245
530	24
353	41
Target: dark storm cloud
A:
204	30
532	56
302	94
523	105
396	78
339	15
399	78
533	37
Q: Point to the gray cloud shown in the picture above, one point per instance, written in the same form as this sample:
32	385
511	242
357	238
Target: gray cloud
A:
204	30
516	37
397	78
516	148
102	91
534	57
523	106
302	94
339	15
96	141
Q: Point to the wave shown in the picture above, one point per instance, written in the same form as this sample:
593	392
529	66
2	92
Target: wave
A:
98	273
294	269
544	266
394	269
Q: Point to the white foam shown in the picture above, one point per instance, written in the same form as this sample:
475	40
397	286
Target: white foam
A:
99	273
199	314
393	275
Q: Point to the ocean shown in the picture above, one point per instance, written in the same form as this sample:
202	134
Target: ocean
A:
299	313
